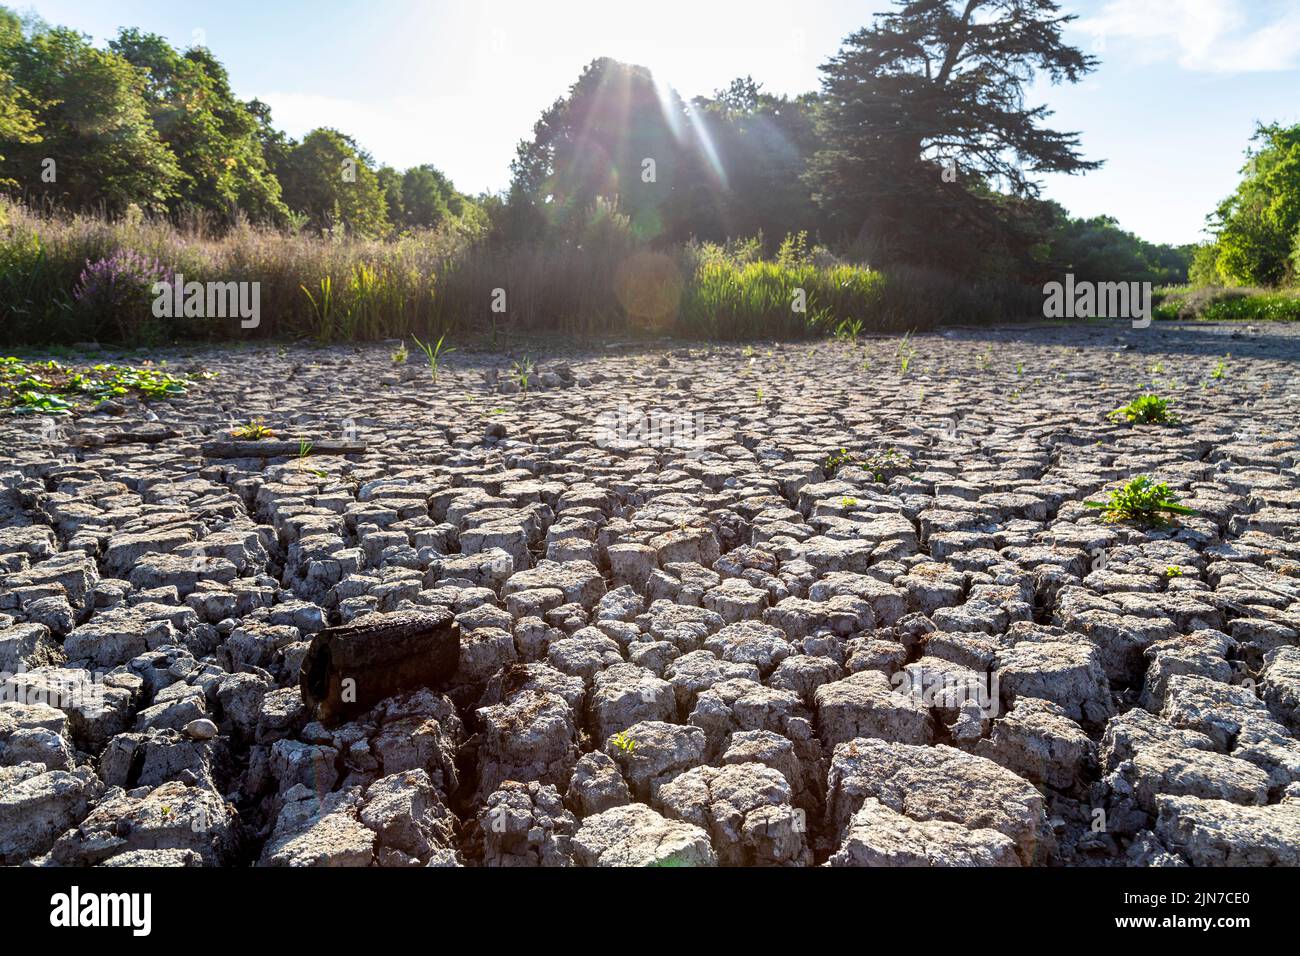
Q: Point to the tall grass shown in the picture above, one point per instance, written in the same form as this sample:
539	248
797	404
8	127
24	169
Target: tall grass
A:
594	279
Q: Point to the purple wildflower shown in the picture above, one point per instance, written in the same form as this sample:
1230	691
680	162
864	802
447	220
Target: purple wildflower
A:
123	279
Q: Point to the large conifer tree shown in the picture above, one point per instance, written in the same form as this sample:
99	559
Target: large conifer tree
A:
935	84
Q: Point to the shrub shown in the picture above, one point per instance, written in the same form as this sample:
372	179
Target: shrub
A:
1219	304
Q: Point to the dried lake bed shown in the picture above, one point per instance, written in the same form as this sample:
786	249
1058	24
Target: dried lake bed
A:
749	604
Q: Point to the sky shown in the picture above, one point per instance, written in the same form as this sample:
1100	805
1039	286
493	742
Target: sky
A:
1171	108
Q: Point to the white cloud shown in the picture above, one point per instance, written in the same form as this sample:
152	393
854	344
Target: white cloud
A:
1212	36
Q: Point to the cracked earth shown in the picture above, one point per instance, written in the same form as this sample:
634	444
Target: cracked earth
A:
717	640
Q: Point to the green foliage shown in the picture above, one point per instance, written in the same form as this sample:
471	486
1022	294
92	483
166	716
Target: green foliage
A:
435	282
934	85
732	301
1098	250
1218	304
762	144
433	353
18	121
881	465
591	145
1142	501
522	373
1257	227
330	180
53	388
905	352
94	121
212	134
624	743
1148	409
253	430
835	460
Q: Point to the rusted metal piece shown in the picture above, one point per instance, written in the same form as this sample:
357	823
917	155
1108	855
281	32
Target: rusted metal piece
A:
351	668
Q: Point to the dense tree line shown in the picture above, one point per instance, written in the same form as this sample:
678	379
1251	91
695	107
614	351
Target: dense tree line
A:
919	149
143	124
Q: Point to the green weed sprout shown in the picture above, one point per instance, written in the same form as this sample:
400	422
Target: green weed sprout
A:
1142	501
624	743
252	431
522	373
905	352
1148	409
433	353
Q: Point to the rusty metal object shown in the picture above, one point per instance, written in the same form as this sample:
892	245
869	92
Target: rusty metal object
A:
351	668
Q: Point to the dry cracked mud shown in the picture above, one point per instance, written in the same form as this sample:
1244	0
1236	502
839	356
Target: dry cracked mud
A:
709	640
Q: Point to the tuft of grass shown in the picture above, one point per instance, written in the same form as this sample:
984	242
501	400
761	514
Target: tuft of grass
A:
849	329
433	353
1220	370
1147	409
400	354
1142	501
523	372
723	298
905	352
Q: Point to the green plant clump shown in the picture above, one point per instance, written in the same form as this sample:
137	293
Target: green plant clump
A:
52	388
254	430
1142	501
1148	409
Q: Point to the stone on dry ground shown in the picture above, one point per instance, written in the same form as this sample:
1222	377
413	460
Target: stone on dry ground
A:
690	637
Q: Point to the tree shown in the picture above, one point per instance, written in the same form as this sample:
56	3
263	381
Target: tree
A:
1098	250
389	181
275	145
95	126
618	136
329	179
18	122
760	145
935	87
1257	228
212	134
426	197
